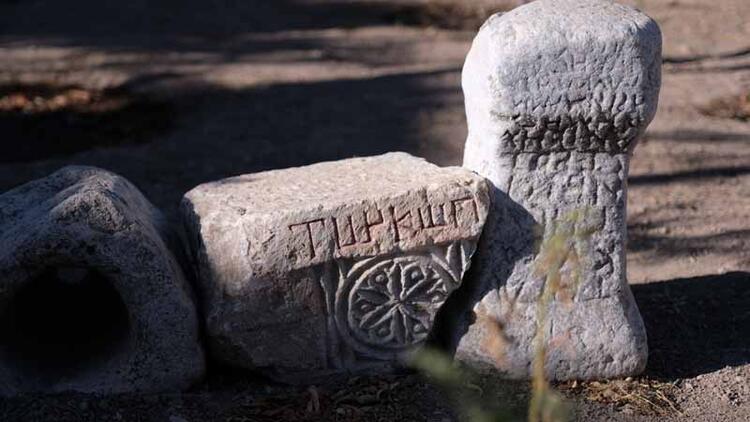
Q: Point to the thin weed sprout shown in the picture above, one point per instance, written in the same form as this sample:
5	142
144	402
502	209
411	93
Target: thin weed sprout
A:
559	263
561	250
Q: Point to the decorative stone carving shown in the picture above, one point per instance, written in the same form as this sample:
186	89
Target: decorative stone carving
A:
386	306
333	267
91	297
557	94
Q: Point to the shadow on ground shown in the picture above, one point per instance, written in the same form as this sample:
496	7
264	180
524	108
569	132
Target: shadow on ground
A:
217	132
202	133
363	399
44	120
199	25
697	136
696	325
682	176
669	246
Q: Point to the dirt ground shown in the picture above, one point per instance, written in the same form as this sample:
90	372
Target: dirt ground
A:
171	94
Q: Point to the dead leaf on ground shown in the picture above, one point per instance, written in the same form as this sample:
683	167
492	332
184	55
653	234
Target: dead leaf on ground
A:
735	107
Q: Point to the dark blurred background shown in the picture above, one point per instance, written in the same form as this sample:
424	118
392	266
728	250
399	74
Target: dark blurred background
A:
171	94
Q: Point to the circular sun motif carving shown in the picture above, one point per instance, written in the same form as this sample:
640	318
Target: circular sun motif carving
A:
390	304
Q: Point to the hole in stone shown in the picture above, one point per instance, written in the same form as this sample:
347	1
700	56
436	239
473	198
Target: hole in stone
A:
65	321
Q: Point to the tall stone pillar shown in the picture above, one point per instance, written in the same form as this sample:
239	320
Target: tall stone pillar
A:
557	94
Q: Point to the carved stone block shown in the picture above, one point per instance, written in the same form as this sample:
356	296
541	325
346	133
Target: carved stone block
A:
557	94
92	298
334	267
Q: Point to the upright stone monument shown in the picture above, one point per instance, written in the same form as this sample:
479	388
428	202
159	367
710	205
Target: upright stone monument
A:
331	268
557	94
92	298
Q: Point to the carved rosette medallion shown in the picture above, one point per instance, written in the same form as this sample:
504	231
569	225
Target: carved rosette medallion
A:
386	305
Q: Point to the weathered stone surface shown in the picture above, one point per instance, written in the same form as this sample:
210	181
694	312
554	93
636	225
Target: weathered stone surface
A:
557	93
91	298
333	267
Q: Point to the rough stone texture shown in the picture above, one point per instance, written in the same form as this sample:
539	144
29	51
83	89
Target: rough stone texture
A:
557	94
91	298
333	267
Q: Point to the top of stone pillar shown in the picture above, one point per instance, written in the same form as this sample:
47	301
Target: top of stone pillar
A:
591	66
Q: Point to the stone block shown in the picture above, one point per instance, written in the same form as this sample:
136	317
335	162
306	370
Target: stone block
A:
334	267
557	94
92	299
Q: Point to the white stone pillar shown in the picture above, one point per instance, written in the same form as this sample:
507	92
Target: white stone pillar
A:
557	94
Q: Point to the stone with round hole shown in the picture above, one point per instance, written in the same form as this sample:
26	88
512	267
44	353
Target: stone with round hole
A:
91	297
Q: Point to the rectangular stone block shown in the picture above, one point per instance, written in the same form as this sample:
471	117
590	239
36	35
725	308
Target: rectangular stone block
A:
338	266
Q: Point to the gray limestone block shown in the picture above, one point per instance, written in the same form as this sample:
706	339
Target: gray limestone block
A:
91	297
557	94
335	267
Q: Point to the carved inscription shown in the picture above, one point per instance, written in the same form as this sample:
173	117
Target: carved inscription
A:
598	132
589	184
373	224
308	226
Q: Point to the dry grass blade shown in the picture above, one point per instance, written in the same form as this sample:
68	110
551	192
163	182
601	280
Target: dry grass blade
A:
313	406
645	395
